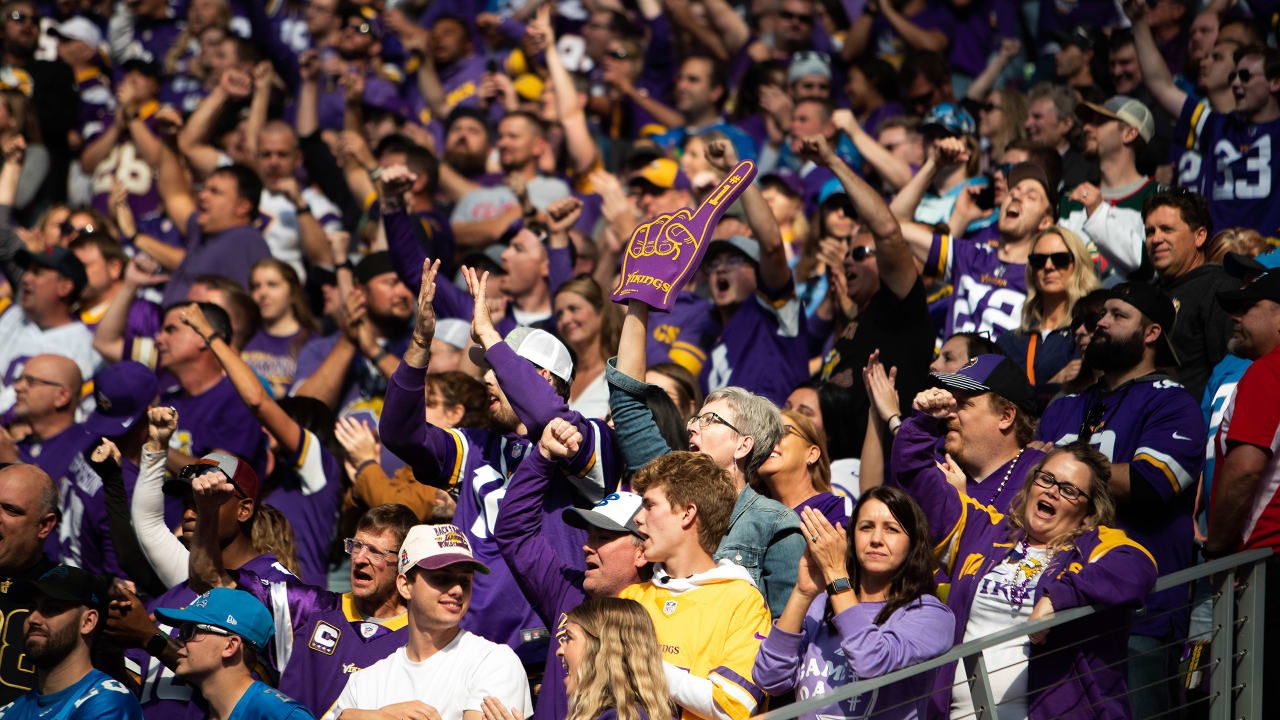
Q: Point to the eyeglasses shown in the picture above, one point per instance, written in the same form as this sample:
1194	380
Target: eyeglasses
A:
861	252
354	547
1244	74
795	17
33	380
1004	169
708	418
727	261
1060	260
20	17
1065	489
188	630
788	429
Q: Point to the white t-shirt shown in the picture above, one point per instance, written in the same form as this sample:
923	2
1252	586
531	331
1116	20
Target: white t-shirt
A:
454	680
282	233
594	400
21	340
991	612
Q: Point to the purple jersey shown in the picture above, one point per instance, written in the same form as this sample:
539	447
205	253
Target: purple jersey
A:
163	695
1154	426
682	334
83	537
231	253
125	164
832	506
999	488
977	32
1237	170
97	102
274	358
327	638
308	497
763	347
144	319
989	292
152	38
217	419
478	464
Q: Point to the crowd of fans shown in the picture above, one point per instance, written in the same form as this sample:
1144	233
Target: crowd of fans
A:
316	401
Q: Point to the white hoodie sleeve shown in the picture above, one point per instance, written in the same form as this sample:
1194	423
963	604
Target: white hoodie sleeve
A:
167	554
695	694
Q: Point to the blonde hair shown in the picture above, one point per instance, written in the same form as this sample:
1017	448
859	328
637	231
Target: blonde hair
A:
1081	282
273	534
820	471
585	287
1102	505
622	667
1245	241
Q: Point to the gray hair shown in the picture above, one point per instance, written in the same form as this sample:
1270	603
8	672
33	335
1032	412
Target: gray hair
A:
1064	100
755	417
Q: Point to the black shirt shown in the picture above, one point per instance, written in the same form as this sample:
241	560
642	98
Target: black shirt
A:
904	333
17	674
1202	327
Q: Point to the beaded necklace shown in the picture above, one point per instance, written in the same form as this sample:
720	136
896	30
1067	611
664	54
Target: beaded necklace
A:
1028	569
1007	473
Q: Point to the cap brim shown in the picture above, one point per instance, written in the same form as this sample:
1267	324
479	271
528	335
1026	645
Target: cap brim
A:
446	559
108	426
1087	110
1238	265
476	353
178	615
959	382
584	519
1233	300
49	590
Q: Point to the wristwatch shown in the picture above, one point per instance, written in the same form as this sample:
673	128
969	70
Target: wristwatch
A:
839	585
157	643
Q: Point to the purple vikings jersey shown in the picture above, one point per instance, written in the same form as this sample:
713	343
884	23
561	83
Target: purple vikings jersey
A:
82	537
217	420
682	334
477	464
1238	169
1153	425
308	498
763	347
989	292
274	359
163	695
326	634
125	163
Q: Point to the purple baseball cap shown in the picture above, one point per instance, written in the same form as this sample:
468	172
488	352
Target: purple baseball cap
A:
123	392
787	179
991	373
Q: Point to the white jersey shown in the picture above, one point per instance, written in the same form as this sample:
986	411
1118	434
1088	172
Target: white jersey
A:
454	680
21	340
280	228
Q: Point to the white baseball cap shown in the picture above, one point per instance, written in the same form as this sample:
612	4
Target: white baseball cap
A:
455	332
538	347
79	28
615	513
435	546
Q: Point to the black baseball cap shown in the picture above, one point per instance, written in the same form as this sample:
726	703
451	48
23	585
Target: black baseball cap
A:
58	258
992	373
70	584
150	68
1029	170
1156	305
1263	287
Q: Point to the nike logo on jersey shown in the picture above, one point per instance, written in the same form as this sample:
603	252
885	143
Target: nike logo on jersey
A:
759	636
1177	436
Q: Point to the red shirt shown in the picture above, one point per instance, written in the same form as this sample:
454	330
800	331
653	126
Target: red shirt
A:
1253	416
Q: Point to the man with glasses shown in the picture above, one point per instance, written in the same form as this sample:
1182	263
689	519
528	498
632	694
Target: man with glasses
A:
331	634
61	631
40	321
48	393
1151	430
222	633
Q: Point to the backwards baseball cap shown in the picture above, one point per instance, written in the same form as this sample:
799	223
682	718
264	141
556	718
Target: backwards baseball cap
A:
239	472
538	347
468	111
1263	287
1083	36
70	584
787	179
663	173
235	611
432	547
1130	111
992	373
615	513
734	243
143	65
1157	306
373	265
122	393
1031	171
950	118
806	63
78	28
57	258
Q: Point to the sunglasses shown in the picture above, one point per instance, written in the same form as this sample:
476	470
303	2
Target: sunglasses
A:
618	54
188	630
66	228
1004	169
795	17
862	252
20	17
1244	74
1060	260
988	107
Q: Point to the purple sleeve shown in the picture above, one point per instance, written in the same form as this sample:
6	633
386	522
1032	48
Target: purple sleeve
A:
407	256
913	633
1170	452
560	267
912	463
1119	572
263	35
544	578
434	454
779	661
531	396
511	29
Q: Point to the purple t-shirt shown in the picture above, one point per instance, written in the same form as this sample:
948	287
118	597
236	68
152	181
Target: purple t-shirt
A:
763	347
825	655
989	292
230	253
832	506
307	495
977	33
163	695
217	419
82	537
125	163
328	637
274	358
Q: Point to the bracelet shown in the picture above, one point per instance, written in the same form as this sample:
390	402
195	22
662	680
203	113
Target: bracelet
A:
303	209
889	419
208	339
425	345
365	464
893	429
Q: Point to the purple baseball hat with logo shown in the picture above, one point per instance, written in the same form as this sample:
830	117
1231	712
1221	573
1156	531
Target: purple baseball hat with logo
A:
991	373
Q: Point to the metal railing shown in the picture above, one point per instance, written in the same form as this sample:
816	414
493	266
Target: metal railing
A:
1234	667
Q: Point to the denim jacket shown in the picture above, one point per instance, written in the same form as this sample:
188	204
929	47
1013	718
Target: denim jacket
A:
764	535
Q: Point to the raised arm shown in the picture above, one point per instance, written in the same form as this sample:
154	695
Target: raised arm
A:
193	140
981	85
1155	72
917	37
915	470
307	120
729	24
175	190
162	549
573	119
211	491
105	461
774	272
895	171
108	338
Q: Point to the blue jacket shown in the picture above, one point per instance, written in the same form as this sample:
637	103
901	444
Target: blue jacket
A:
764	535
1067	678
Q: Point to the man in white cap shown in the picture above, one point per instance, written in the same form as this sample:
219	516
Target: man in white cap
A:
443	671
1115	134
